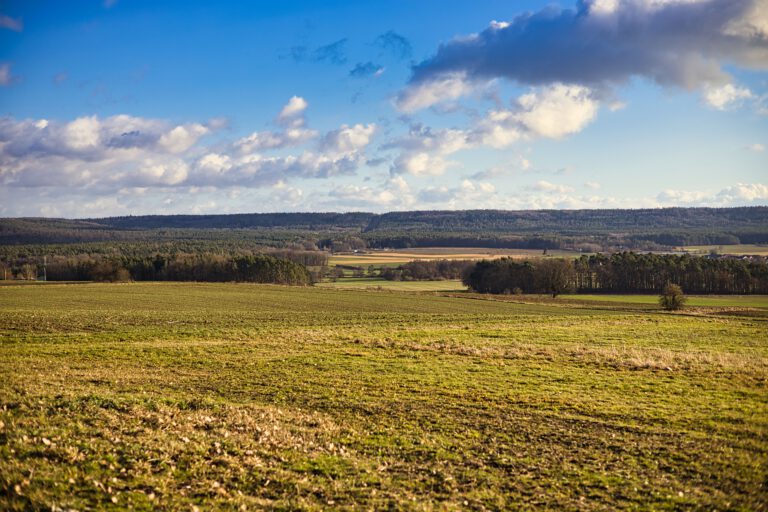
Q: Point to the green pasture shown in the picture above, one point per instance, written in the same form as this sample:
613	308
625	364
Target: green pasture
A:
450	285
183	396
736	250
737	301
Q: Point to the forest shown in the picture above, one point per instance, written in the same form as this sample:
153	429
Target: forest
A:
625	272
587	230
277	268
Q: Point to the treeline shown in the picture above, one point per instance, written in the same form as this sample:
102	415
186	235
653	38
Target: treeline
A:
628	272
586	230
625	272
507	275
423	270
258	268
576	222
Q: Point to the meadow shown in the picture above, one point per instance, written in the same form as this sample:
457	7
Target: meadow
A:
379	258
184	396
735	250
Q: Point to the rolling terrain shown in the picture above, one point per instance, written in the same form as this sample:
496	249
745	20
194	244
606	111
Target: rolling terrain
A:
168	395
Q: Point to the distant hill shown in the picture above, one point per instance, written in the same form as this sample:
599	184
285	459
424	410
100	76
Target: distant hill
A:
480	228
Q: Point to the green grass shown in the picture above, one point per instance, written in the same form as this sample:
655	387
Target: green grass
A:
742	301
392	258
451	285
737	250
224	396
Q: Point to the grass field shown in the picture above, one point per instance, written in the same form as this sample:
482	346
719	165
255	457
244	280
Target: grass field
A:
735	301
393	258
449	285
736	250
176	396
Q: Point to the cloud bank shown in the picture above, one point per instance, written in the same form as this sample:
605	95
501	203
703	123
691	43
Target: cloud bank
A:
606	42
105	155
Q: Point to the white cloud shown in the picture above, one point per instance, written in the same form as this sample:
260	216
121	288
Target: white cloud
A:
741	194
181	138
291	120
424	151
425	94
394	192
265	140
286	194
152	173
545	186
592	185
467	195
726	96
757	147
552	112
423	164
348	138
292	114
82	133
557	110
108	154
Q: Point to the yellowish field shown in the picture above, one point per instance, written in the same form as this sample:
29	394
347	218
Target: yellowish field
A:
438	253
353	283
737	250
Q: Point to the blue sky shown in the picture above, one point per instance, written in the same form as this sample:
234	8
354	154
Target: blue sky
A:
132	107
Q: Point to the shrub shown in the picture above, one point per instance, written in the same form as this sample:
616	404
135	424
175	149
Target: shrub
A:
672	298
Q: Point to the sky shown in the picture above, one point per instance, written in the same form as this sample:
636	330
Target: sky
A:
129	107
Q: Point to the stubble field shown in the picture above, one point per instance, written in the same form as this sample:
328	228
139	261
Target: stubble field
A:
175	396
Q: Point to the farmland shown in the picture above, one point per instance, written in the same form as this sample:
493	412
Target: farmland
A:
168	395
393	258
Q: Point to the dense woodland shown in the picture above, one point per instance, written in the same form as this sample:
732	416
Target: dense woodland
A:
422	270
294	247
586	230
257	268
625	272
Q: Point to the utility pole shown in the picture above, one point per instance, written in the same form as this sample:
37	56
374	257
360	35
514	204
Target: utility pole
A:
45	268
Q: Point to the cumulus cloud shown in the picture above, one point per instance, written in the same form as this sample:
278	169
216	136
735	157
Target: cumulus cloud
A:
91	151
545	186
181	138
392	193
291	119
9	23
726	96
292	114
348	138
424	151
265	140
741	194
557	110
426	93
467	193
600	44
682	43
105	155
594	185
554	111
